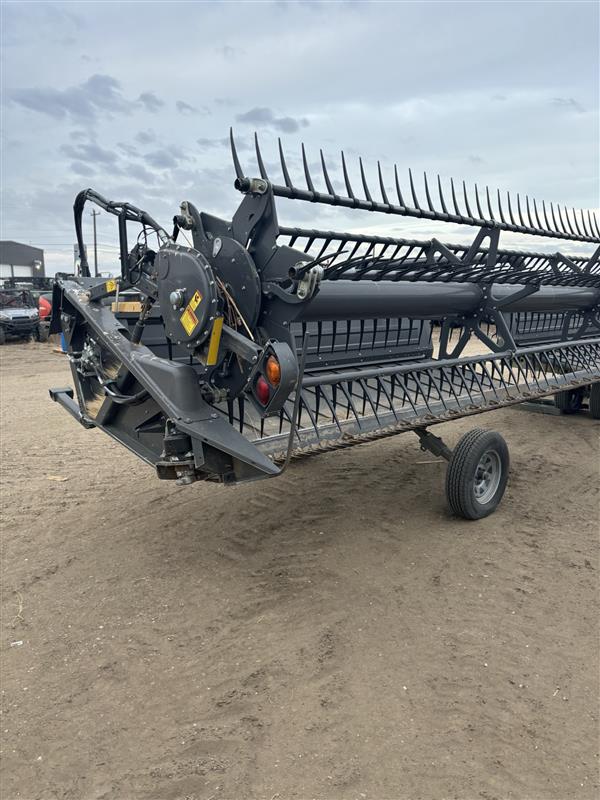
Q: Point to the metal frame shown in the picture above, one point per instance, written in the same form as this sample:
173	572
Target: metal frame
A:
349	318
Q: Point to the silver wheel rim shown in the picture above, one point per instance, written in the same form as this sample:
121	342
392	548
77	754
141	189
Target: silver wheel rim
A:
487	476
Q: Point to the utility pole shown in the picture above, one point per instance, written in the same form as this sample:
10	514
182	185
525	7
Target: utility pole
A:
94	215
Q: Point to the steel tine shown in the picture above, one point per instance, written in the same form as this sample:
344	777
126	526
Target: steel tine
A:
236	162
510	211
326	176
583	225
384	196
575	223
469	214
519	212
569	221
427	195
284	169
412	189
456	208
546	220
364	181
261	166
479	211
347	179
562	222
556	228
309	182
596	223
537	216
489	203
441	194
398	191
531	223
500	209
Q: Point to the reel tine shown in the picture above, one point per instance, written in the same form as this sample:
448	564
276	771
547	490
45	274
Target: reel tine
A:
500	207
328	183
528	211
347	179
574	213
441	194
469	213
239	172
569	221
364	181
479	211
546	220
261	166
556	228
412	189
510	211
384	196
398	191
537	216
562	222
456	208
284	169
583	225
489	203
596	223
519	212
427	195
592	216
309	182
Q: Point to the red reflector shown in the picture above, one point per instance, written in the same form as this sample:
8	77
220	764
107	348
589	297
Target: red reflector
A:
262	391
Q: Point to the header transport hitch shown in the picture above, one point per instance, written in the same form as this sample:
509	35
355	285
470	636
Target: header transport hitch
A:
244	342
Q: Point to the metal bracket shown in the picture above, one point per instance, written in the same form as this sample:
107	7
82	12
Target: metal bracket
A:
434	444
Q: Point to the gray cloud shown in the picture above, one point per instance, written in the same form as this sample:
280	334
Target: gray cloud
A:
241	143
230	53
150	102
568	102
100	93
162	159
266	117
81	169
185	108
146	137
127	149
89	152
141	173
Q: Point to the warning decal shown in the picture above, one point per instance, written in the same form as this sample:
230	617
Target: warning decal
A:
110	286
189	320
195	301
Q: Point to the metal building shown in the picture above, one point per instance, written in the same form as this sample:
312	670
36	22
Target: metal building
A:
20	261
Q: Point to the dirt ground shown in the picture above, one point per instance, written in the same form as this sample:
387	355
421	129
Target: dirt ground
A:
333	634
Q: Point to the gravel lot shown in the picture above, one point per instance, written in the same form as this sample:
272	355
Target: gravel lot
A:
332	634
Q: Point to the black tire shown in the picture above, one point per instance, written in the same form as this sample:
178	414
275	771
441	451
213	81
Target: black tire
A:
569	402
594	401
2	335
42	333
477	453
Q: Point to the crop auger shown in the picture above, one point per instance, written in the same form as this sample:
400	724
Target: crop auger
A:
249	342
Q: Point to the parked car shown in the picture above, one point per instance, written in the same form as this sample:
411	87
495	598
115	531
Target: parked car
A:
19	316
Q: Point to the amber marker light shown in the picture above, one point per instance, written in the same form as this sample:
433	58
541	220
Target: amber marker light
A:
273	371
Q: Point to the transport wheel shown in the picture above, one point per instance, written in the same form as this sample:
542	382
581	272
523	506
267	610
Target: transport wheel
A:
594	400
569	402
477	474
41	333
2	335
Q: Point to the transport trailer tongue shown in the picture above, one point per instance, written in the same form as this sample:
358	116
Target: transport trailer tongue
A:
249	342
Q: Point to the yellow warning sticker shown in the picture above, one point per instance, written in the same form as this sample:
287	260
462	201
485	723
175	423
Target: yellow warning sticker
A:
110	286
195	301
189	320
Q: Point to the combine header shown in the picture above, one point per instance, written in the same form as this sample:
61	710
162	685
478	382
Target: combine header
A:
250	342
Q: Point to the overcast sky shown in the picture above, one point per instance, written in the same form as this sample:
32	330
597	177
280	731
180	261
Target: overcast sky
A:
136	99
